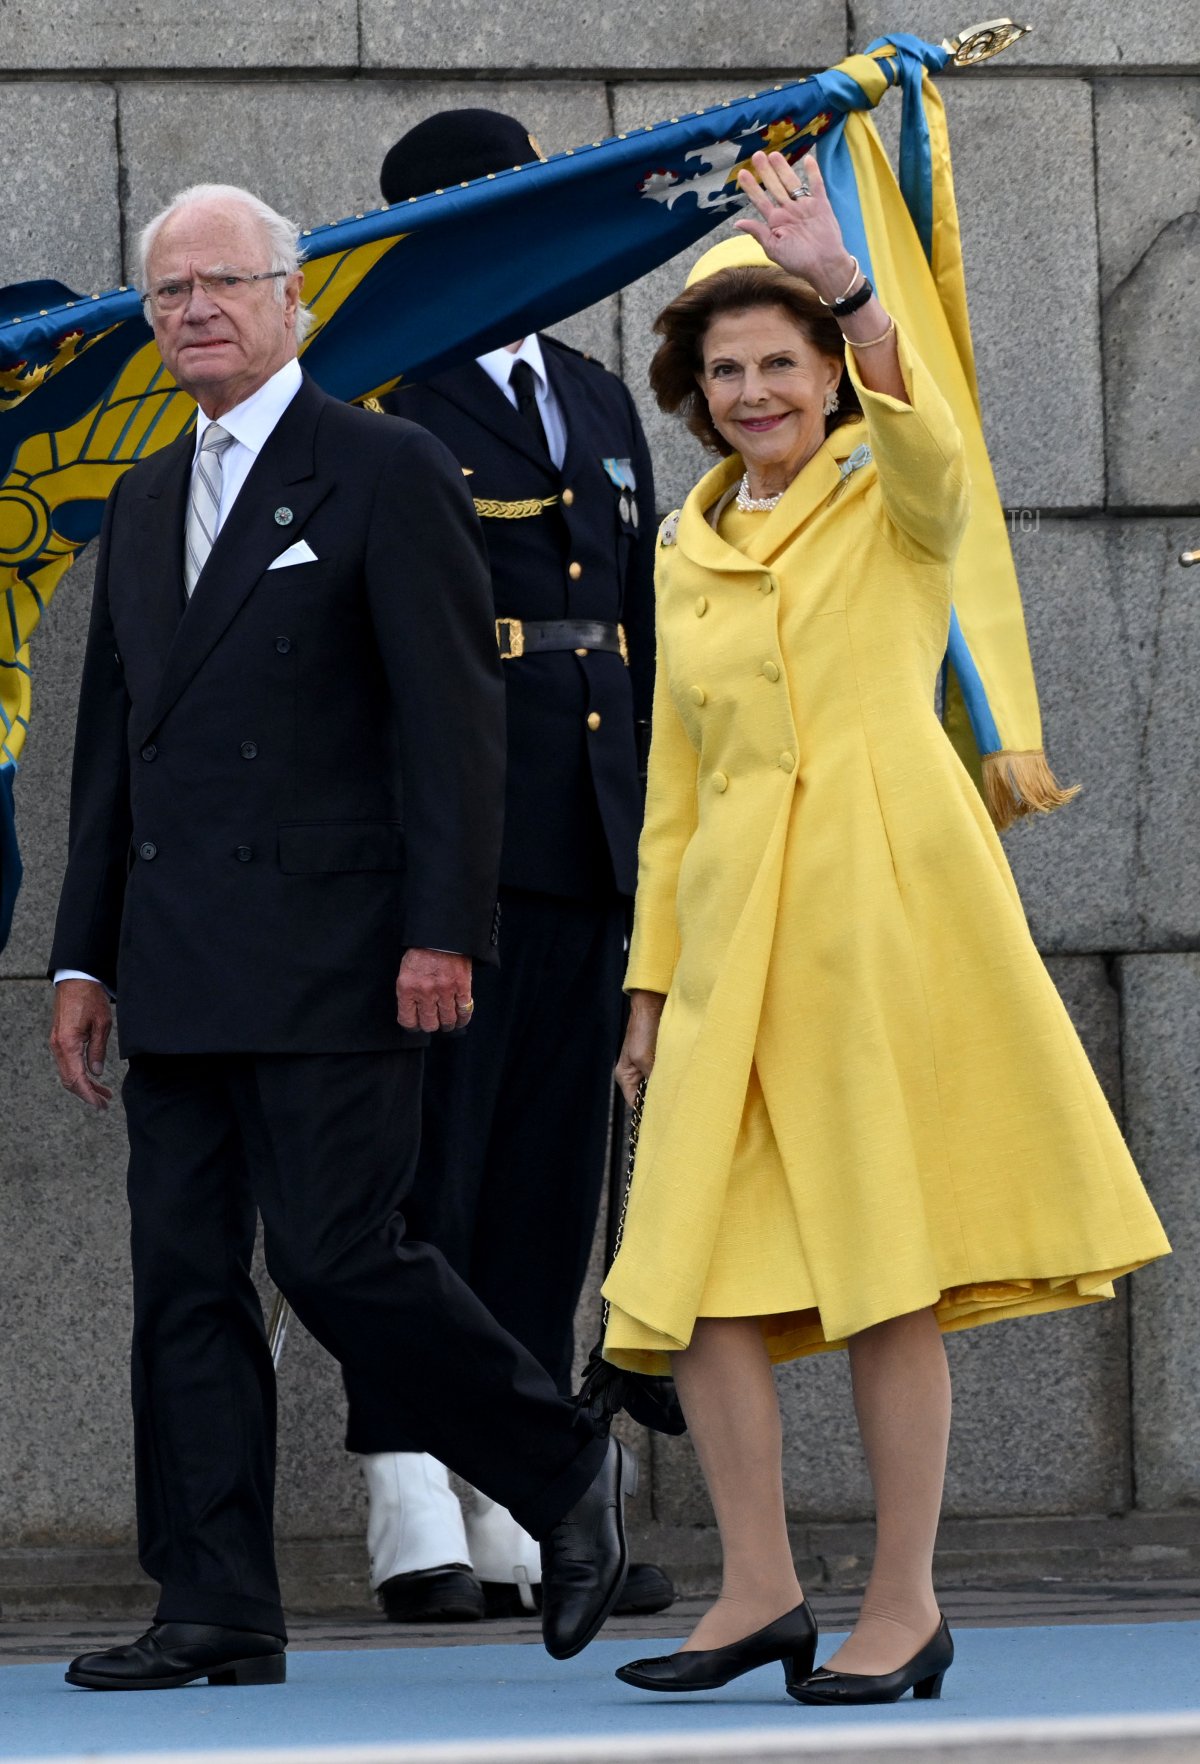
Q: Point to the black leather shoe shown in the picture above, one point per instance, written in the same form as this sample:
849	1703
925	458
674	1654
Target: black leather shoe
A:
647	1589
174	1654
923	1675
585	1558
791	1639
433	1595
504	1598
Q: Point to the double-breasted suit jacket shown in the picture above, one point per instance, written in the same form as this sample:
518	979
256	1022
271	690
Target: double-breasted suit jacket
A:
282	784
569	543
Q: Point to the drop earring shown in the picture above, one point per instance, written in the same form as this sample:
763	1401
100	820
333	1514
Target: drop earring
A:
831	402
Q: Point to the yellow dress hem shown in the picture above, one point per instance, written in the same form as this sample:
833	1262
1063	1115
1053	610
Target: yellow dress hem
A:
636	1346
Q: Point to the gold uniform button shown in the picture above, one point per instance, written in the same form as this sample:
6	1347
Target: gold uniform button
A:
701	605
581	652
770	672
697	694
593	719
575	570
568	497
787	762
720	783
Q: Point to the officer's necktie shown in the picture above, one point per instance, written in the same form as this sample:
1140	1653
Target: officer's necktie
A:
523	381
204	503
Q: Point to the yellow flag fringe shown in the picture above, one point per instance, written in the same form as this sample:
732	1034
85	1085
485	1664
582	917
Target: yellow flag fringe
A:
1020	784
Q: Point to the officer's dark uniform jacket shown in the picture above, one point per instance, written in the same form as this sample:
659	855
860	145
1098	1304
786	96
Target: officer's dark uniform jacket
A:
575	543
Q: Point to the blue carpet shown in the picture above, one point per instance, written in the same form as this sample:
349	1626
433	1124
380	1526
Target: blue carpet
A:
488	1693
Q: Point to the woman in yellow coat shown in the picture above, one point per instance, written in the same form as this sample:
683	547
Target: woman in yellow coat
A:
870	1119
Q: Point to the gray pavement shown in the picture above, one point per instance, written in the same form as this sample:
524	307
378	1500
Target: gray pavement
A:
28	1641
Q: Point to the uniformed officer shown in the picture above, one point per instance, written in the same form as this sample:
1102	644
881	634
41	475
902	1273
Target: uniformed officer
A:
516	1112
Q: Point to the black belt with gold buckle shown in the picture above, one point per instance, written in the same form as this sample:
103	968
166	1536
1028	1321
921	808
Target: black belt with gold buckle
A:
518	637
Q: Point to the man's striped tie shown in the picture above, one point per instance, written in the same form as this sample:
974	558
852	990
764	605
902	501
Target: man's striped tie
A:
204	504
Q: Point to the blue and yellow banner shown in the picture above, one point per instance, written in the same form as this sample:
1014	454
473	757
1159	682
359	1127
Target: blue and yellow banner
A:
404	291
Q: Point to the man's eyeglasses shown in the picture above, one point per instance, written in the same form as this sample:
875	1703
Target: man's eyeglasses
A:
222	286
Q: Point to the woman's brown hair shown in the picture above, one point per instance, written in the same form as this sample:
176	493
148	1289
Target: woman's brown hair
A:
683	326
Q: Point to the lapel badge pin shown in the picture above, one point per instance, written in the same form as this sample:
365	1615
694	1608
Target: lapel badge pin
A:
847	467
669	528
283	517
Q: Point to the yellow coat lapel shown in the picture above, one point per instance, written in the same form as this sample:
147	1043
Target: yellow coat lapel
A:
809	490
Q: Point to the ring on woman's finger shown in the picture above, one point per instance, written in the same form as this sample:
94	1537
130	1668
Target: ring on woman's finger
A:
802	189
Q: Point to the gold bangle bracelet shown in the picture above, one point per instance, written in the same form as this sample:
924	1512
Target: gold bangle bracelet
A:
871	342
849	288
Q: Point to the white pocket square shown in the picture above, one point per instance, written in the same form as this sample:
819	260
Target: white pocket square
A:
300	552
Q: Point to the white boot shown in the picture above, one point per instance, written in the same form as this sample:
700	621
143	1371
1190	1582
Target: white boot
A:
415	1521
502	1554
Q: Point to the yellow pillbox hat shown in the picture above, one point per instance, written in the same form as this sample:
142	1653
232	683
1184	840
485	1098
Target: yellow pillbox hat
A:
739	251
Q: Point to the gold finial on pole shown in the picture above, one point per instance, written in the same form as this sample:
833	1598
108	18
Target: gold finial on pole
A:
979	42
1187	558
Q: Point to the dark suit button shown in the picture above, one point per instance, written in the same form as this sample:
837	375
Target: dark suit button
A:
283	644
249	750
150	752
147	849
243	854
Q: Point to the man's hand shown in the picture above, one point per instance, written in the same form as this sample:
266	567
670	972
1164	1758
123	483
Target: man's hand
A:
79	1039
636	1060
433	990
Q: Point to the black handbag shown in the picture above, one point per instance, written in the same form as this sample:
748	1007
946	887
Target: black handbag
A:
606	1390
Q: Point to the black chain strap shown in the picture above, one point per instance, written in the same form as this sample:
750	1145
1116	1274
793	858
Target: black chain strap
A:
635	1125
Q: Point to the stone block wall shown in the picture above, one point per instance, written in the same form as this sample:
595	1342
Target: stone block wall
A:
1078	180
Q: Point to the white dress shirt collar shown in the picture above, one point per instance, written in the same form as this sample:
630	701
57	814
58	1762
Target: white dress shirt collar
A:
498	363
252	421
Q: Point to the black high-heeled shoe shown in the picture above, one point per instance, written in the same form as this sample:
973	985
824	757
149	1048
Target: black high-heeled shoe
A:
923	1675
791	1639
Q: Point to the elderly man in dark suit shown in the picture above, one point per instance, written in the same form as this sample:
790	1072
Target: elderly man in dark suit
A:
516	1114
286	811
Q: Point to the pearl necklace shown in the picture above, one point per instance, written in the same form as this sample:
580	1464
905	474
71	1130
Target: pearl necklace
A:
755	504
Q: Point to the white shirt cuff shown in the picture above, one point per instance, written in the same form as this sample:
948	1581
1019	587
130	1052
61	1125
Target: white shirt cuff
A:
78	974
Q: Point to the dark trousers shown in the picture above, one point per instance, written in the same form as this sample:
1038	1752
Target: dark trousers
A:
324	1147
514	1127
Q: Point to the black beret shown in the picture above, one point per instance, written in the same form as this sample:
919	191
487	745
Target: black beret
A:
453	147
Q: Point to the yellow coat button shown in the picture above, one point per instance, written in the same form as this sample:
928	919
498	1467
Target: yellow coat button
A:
787	762
697	694
701	605
593	719
767	585
720	783
770	672
568	497
575	570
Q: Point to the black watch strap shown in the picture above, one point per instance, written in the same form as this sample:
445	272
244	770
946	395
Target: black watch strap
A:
843	308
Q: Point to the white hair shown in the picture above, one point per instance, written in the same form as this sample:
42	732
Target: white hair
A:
283	236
